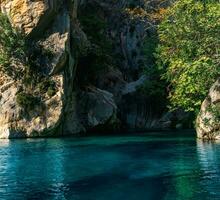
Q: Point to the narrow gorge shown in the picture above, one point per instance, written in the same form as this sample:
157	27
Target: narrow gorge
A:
109	99
80	66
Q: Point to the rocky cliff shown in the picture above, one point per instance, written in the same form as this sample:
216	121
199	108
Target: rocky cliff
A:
86	61
207	123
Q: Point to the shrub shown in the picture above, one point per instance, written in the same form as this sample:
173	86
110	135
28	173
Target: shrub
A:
47	86
51	91
26	100
12	44
19	57
189	51
99	54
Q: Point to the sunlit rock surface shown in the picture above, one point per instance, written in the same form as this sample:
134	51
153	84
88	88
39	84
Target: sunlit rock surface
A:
30	16
50	22
208	124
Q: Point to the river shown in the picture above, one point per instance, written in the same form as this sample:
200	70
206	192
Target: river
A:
151	166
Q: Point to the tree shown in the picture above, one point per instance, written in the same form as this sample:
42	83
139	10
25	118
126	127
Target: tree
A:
189	51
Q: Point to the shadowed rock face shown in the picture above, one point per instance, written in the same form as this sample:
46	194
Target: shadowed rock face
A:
113	98
50	24
207	123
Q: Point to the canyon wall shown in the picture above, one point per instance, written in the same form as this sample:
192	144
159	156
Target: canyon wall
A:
90	58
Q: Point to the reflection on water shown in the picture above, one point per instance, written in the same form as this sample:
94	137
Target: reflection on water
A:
209	160
207	156
155	166
4	143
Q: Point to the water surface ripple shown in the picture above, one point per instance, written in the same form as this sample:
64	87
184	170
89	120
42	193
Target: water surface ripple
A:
152	166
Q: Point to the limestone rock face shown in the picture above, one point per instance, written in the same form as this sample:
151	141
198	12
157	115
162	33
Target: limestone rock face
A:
16	122
96	107
56	40
85	97
44	119
68	110
129	33
28	15
208	120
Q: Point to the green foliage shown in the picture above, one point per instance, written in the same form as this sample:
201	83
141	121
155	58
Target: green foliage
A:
12	45
154	86
27	100
99	55
215	111
93	24
189	51
51	91
149	47
47	86
19	58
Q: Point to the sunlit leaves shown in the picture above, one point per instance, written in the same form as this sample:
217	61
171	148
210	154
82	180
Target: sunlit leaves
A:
190	51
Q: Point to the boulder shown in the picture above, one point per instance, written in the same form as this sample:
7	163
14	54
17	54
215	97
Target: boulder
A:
96	108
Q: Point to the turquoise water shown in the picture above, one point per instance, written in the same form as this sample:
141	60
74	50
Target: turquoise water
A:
163	166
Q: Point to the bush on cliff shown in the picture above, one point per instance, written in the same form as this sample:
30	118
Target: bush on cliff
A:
12	45
19	59
27	100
